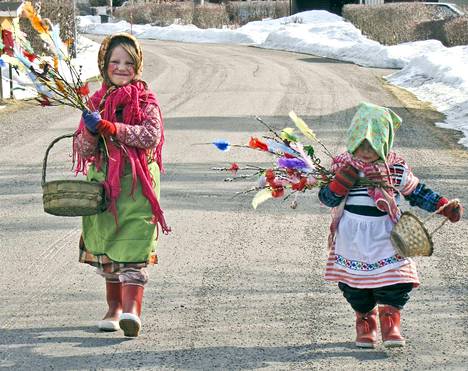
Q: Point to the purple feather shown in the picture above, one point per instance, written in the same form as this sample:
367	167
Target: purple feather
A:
291	163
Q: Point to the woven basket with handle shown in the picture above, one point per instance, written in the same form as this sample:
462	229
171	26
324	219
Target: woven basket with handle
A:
71	197
410	236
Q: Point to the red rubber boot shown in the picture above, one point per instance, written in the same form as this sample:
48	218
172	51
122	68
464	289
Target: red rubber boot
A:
130	319
110	322
366	329
390	326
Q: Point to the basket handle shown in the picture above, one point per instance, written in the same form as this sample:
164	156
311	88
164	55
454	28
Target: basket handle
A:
454	201
44	162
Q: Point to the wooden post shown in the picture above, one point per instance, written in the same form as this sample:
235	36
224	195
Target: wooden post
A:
75	33
10	73
1	85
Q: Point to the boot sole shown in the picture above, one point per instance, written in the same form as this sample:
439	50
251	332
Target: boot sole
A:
108	326
394	343
365	345
130	324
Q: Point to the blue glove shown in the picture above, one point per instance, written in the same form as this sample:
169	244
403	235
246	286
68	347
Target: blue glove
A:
91	120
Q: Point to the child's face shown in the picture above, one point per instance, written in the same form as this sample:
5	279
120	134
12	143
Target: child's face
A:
121	69
365	152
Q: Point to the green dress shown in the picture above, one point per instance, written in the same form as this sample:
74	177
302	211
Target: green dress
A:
130	242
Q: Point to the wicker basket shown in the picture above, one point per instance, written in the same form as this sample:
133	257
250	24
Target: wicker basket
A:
410	237
71	197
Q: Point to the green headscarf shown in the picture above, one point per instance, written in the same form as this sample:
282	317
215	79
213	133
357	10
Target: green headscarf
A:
376	124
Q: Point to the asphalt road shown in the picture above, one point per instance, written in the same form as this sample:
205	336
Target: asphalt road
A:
235	288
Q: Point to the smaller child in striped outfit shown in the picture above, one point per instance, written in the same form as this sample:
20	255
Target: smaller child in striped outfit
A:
374	279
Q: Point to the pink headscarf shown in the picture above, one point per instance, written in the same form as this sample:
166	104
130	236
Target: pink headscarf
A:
132	98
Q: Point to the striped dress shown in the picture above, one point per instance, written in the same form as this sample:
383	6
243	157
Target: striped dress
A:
362	255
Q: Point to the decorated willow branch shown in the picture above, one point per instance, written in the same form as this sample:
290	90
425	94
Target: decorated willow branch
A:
296	166
55	78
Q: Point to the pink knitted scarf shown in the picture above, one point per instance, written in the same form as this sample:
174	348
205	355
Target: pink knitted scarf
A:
132	98
384	197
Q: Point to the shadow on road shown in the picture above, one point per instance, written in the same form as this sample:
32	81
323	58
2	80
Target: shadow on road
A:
27	347
323	60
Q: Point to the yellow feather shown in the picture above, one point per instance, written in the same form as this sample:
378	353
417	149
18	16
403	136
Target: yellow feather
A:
261	196
302	126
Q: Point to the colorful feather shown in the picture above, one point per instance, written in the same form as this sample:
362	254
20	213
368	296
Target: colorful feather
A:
302	126
261	196
59	46
41	88
36	22
288	135
222	145
20	57
291	163
300	148
277	147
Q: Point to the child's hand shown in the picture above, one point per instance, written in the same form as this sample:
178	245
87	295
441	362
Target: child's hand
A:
344	180
453	211
91	120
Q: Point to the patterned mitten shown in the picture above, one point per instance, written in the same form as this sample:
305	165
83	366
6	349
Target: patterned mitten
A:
453	212
344	180
106	128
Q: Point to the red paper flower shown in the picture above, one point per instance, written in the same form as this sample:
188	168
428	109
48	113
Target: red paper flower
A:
269	175
83	90
29	55
299	186
277	192
234	167
256	143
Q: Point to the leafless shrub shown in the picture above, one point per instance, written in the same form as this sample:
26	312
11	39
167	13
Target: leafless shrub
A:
233	13
241	12
137	14
456	31
210	16
388	24
165	14
162	14
396	23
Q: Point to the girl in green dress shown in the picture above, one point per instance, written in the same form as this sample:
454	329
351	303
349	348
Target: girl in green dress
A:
119	143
